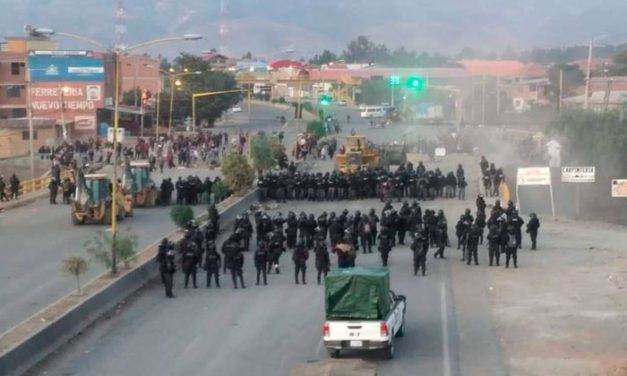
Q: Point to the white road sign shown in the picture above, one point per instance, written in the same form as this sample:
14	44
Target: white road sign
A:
578	174
440	152
534	176
619	188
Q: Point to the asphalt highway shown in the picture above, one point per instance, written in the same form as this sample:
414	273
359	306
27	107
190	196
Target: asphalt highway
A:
267	330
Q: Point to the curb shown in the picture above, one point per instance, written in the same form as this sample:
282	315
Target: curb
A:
37	337
24	201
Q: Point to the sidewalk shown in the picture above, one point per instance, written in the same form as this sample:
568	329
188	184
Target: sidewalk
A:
23	200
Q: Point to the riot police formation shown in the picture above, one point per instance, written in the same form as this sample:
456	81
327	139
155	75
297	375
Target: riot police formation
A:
406	182
342	234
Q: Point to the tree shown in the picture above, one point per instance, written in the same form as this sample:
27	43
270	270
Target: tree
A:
573	77
263	151
375	91
75	266
181	215
325	57
207	108
129	97
124	246
359	50
238	174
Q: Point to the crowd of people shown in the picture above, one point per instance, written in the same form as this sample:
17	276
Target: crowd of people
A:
344	235
406	182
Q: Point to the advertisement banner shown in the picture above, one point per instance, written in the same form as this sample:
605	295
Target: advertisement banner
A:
74	66
619	188
578	174
80	100
534	176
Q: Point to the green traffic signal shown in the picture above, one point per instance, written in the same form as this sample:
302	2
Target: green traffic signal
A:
416	83
325	100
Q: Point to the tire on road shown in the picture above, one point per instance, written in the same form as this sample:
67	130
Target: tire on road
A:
389	351
334	353
401	330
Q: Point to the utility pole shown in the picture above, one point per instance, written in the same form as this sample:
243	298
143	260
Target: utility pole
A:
31	130
483	100
498	98
561	97
588	69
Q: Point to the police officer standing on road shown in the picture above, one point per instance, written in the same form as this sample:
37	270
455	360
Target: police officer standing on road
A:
511	247
300	256
189	260
169	268
532	229
419	247
213	261
237	265
323	262
517	222
472	243
229	248
385	245
162	252
53	186
494	243
261	261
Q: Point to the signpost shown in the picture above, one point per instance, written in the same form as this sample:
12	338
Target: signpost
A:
619	188
531	176
578	175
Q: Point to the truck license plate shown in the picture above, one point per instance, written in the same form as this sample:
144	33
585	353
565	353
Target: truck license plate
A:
356	343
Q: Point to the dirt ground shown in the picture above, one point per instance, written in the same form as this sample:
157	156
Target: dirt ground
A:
563	312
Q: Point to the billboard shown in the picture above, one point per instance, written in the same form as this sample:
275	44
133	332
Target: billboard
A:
80	100
619	188
578	174
72	66
534	176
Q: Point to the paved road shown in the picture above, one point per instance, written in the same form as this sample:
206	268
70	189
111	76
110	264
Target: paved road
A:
272	329
36	238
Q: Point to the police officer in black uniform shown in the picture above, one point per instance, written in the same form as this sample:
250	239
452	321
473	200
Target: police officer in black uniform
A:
300	256
237	266
419	247
213	261
385	245
472	244
261	261
169	268
532	229
494	244
189	259
323	262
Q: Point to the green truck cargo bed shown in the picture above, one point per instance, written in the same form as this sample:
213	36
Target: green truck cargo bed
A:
357	294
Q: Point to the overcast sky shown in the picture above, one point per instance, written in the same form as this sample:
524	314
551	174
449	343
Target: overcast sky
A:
267	26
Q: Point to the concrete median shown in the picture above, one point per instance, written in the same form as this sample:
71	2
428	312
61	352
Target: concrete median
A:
31	341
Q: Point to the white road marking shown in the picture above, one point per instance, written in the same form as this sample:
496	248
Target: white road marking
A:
446	355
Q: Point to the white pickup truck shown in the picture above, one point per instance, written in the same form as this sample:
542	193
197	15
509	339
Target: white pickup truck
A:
355	323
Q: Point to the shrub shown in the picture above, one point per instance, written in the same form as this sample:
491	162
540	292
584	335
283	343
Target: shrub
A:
75	266
238	174
181	215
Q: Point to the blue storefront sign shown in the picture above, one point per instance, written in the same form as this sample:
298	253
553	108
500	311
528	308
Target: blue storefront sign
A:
75	66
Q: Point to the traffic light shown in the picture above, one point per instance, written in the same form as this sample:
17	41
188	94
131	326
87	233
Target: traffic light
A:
325	100
395	81
416	83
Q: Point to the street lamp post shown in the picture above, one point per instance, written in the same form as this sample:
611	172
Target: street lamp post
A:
117	52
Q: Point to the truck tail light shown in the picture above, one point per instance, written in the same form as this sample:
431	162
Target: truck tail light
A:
384	329
325	329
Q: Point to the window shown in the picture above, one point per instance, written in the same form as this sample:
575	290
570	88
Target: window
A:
14	91
25	135
18	113
533	88
15	68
